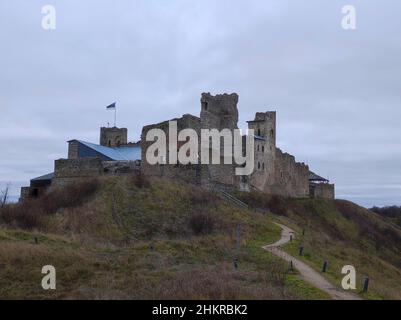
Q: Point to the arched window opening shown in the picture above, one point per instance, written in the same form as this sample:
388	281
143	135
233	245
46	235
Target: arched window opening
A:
259	165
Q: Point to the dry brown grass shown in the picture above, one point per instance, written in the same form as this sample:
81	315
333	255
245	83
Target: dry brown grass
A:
30	214
21	264
106	252
217	282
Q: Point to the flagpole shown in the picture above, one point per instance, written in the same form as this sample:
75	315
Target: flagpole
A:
113	107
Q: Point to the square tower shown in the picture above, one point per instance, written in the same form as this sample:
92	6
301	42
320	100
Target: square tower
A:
113	137
264	126
219	112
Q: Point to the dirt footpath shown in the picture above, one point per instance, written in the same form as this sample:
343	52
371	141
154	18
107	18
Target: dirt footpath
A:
307	273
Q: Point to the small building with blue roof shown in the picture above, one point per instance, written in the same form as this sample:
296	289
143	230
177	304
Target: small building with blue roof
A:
114	154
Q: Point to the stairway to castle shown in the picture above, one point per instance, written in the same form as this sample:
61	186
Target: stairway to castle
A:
232	199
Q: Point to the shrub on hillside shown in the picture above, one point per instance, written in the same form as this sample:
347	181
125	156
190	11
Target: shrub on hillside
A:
264	202
277	205
197	196
140	181
29	213
386	237
201	223
23	215
72	195
392	212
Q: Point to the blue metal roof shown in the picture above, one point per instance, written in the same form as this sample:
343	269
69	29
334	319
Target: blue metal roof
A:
118	154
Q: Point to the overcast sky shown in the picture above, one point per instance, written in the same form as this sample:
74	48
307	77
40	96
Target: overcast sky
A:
337	92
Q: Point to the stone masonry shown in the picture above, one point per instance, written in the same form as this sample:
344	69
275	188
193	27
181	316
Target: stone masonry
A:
113	137
275	172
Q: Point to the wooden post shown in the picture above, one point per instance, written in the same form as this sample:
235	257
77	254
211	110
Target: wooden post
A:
366	285
301	250
324	268
238	237
236	264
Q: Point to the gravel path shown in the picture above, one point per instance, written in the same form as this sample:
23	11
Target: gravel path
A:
307	273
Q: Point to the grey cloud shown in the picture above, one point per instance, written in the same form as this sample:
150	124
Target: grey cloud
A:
337	93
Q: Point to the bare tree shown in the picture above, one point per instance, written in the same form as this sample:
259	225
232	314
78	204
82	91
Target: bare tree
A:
4	195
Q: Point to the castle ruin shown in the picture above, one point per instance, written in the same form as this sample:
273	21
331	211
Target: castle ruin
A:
275	172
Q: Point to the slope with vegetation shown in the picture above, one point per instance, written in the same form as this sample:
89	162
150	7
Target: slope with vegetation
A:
135	238
391	213
341	233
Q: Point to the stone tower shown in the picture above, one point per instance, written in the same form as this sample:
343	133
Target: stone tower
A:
113	137
219	112
264	127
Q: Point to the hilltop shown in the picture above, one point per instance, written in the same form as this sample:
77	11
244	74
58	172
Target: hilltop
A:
141	238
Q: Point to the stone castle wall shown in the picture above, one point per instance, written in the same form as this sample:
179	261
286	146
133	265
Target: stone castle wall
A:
275	172
190	172
322	190
217	112
290	178
73	149
70	170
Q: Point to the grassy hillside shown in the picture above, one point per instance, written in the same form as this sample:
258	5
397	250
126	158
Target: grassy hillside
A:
392	213
133	238
341	233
